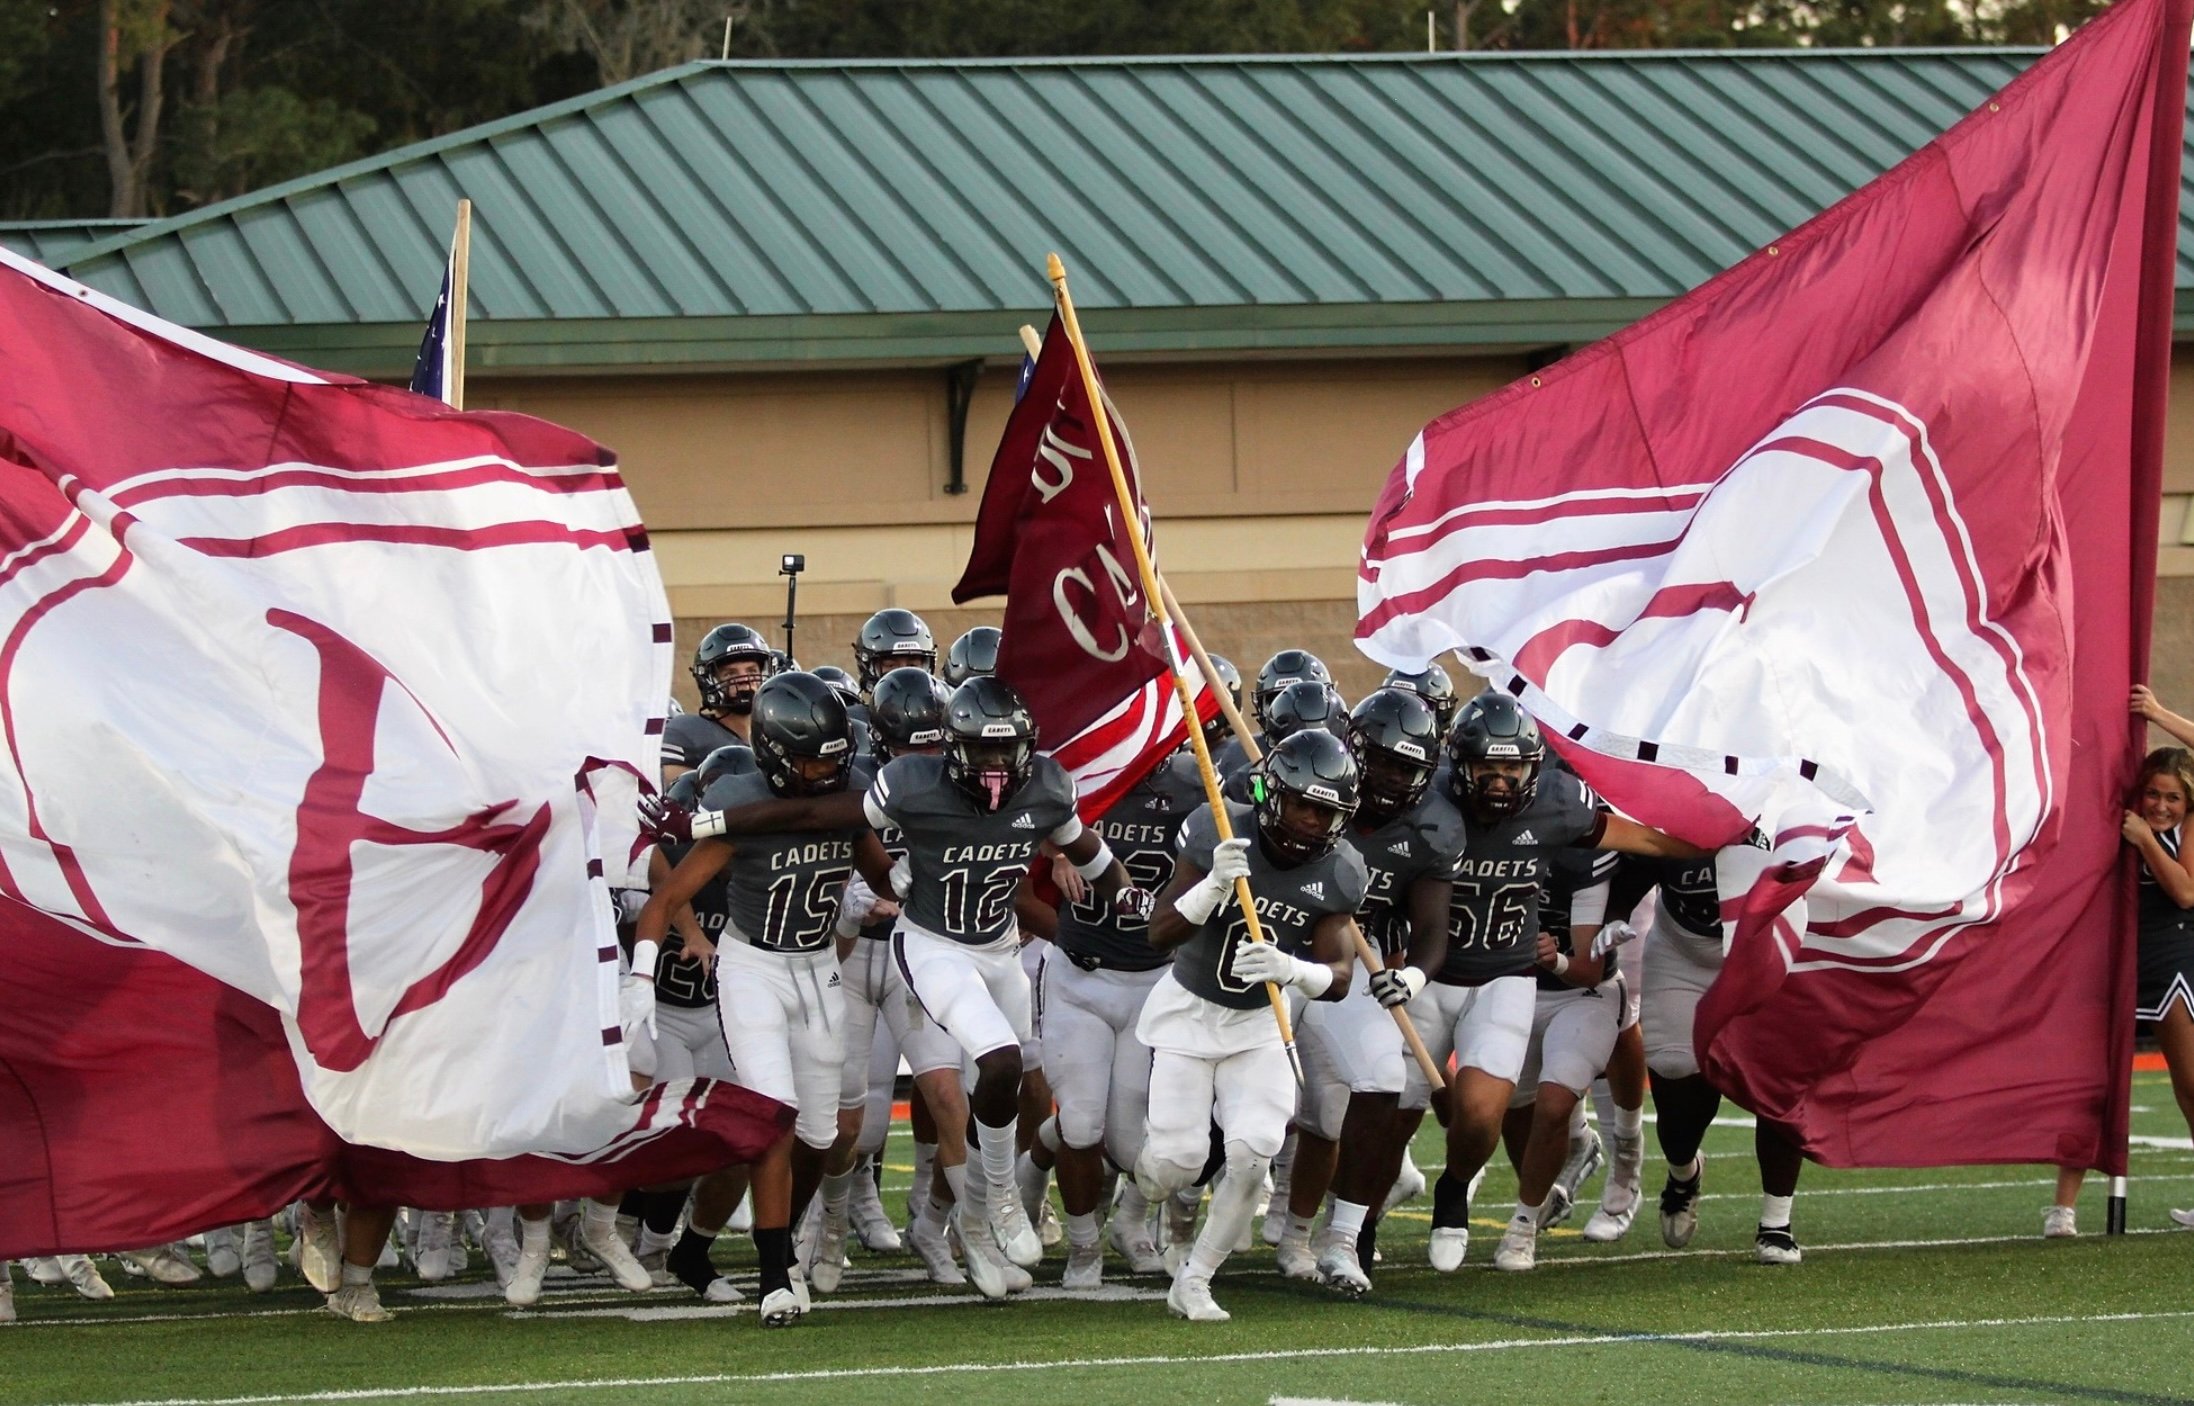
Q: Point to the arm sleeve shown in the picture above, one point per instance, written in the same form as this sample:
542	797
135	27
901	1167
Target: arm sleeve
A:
1068	832
1589	905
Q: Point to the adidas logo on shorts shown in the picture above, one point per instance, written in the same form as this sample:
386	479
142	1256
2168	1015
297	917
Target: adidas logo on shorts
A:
1024	821
834	981
1316	888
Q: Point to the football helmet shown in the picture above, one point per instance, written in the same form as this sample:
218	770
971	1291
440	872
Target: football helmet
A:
724	645
1432	684
975	652
1216	731
803	738
990	741
727	760
1286	667
908	714
1493	727
841	680
1304	705
1396	740
888	639
1310	790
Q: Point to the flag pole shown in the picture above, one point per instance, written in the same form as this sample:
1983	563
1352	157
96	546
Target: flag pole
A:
460	270
1365	952
1176	666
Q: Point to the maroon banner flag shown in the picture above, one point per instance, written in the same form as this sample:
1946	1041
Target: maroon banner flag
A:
1856	544
1078	643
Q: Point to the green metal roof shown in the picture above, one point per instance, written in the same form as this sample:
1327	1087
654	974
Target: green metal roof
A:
52	241
746	213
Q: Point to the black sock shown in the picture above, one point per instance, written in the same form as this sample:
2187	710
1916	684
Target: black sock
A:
1367	1243
1685	1108
1450	1203
659	1210
688	1259
774	1247
632	1203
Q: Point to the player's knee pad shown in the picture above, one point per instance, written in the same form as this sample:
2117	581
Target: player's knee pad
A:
1247	1163
816	1127
1081	1116
1158	1176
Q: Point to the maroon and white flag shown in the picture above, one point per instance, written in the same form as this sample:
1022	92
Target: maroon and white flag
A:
1079	642
1856	543
324	707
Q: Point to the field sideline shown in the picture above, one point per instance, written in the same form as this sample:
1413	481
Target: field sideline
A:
1919	1286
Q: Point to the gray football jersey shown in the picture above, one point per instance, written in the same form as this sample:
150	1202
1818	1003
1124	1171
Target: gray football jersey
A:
1426	839
1493	921
679	979
689	737
1233	759
1569	873
1290	904
783	890
1691	894
1143	830
968	862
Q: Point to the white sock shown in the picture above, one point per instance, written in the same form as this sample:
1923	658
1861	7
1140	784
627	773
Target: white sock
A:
1134	1205
838	1191
1082	1229
655	1242
1233	1202
354	1274
925	1157
1603	1103
995	1147
533	1234
1630	1122
1775	1211
1577	1120
955	1181
1686	1172
1527	1214
599	1215
1347	1222
1298	1227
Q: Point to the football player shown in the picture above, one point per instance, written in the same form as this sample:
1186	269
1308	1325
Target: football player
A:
1217	732
1289	666
1477	1003
780	994
971	819
1432	684
728	666
975	652
888	640
1298	706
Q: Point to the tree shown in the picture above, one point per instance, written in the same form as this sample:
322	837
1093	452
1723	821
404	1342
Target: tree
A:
134	33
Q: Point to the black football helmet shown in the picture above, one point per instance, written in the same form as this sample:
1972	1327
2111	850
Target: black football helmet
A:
990	741
839	679
728	760
1396	740
1216	731
1493	727
908	714
1316	770
975	652
888	639
1286	667
800	719
1432	684
1304	705
723	645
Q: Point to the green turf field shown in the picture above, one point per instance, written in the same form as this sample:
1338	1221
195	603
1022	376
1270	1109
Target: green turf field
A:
1918	1286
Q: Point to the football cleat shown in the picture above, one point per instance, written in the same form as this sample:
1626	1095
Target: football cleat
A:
1619	1197
781	1308
1519	1247
1586	1154
930	1247
1190	1298
598	1235
1408	1185
1774	1244
564	1235
1680	1208
1048	1229
46	1270
223	1258
2062	1223
319	1253
2184	1220
161	1264
430	1255
7	1295
524	1288
260	1271
870	1223
1085	1267
1132	1240
825	1261
1294	1258
1449	1244
499	1242
986	1266
83	1276
1010	1229
360	1303
1338	1268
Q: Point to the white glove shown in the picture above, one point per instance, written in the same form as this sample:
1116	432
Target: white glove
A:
636	1006
1396	986
629	903
1229	861
1263	961
902	876
1613	935
854	906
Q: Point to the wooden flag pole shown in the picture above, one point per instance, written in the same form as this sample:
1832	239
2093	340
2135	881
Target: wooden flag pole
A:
460	273
1131	513
1365	952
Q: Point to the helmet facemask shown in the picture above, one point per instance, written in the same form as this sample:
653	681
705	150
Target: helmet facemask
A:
990	769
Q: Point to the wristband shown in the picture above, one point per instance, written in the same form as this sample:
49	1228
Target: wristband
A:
1312	978
1098	863
644	955
708	824
1200	902
1561	964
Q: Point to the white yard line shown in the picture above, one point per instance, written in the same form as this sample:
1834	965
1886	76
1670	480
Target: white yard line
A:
1157	1360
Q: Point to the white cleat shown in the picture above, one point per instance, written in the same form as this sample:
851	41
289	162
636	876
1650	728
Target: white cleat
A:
2184	1220
986	1265
1680	1208
935	1253
1519	1247
1294	1259
781	1308
722	1290
870	1224
1449	1245
83	1276
260	1269
564	1224
1619	1198
742	1217
319	1253
1776	1245
1190	1298
430	1255
598	1235
1586	1155
524	1288
7	1294
223	1258
1009	1227
161	1264
1085	1267
1133	1242
2062	1223
1408	1185
1338	1268
360	1303
826	1258
46	1270
499	1242
1048	1229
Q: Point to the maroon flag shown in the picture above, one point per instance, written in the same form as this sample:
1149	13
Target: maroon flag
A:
1050	537
1856	543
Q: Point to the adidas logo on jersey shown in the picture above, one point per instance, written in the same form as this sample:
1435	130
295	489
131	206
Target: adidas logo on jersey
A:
1398	847
1316	888
1526	838
1024	821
